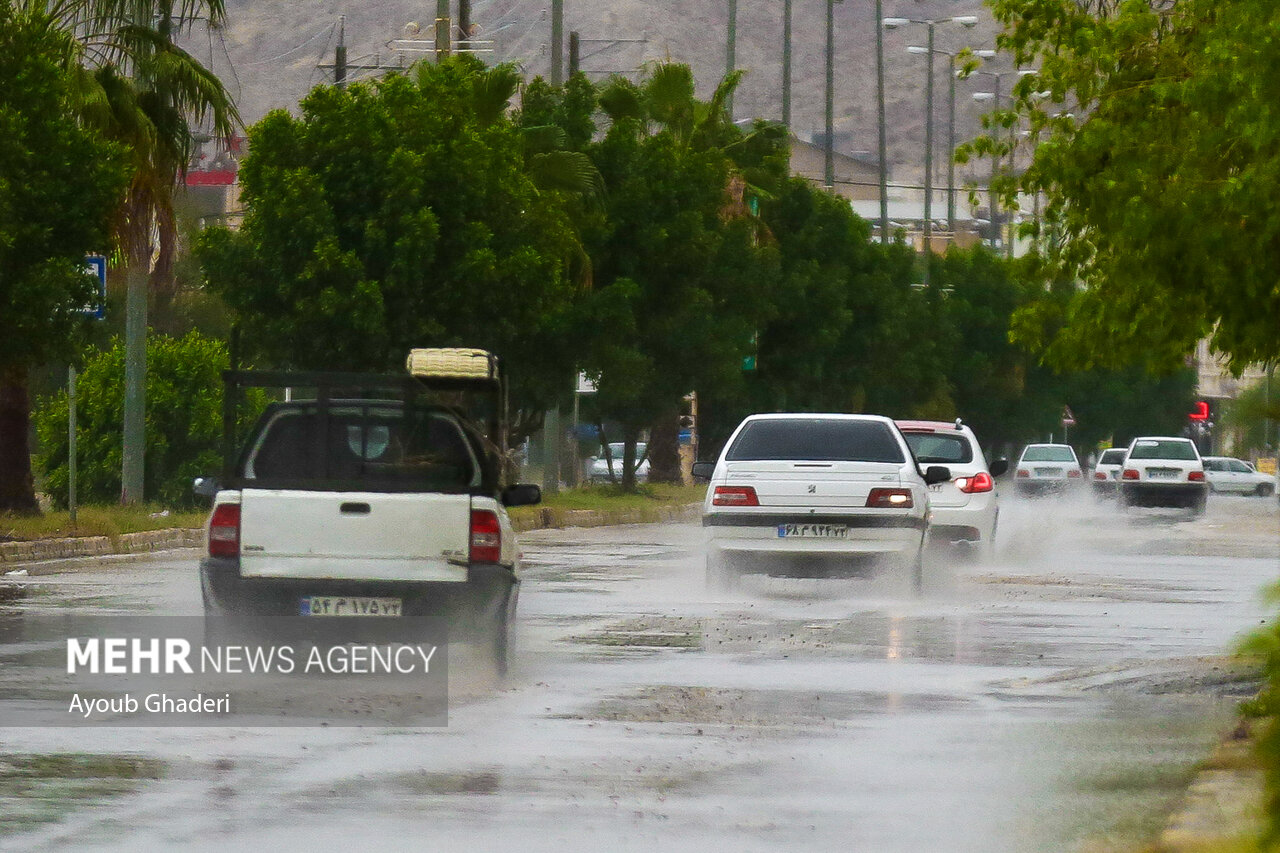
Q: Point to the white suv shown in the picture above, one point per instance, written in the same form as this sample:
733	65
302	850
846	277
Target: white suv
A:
815	495
965	508
1163	470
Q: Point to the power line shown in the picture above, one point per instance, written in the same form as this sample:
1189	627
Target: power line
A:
297	47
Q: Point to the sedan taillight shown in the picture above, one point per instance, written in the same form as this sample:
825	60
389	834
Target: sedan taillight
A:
890	499
1073	473
1023	472
224	531
1099	475
1131	474
486	536
980	482
734	496
1196	477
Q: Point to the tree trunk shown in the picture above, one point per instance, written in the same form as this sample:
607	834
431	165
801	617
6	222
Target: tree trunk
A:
17	488
664	449
630	435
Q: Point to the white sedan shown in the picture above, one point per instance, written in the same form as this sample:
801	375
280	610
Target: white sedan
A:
815	495
1235	475
1047	468
1162	470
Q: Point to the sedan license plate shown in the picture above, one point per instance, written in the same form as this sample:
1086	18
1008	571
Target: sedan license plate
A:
1162	473
338	606
1049	472
813	531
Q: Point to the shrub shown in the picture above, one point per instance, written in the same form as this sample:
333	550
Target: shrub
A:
183	422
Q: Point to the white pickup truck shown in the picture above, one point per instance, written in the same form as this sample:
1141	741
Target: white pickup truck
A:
366	505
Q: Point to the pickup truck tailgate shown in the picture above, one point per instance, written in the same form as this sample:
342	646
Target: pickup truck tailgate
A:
354	535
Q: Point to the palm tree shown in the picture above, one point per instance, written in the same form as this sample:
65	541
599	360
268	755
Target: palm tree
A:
137	86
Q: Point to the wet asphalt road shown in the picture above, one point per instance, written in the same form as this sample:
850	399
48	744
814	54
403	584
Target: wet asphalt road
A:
1054	697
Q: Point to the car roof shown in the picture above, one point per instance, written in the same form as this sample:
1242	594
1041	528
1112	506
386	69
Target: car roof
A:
1161	438
817	416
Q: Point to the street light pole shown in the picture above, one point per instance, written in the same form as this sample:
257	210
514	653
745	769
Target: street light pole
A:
951	144
884	166
786	63
830	160
928	160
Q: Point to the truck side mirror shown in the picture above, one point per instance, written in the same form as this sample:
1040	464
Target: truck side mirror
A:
205	487
522	494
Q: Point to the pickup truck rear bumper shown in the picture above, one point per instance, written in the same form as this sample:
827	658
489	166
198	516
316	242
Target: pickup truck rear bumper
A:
465	610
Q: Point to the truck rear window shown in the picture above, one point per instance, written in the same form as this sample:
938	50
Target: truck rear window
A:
816	440
369	447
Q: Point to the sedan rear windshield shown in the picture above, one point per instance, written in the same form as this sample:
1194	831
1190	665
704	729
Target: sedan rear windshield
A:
1157	448
1048	454
815	440
1114	456
935	447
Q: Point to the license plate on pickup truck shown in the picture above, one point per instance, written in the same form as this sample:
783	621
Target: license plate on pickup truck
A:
338	606
813	531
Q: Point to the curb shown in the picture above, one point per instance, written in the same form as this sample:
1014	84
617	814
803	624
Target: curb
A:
42	550
16	554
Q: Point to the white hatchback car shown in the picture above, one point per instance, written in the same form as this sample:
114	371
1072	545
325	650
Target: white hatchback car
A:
966	508
814	495
1161	470
1226	474
1047	468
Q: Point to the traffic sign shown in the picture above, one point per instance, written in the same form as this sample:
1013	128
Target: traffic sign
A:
96	266
1068	419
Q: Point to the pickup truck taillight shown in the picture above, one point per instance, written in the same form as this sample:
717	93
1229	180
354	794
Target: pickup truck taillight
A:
224	531
486	536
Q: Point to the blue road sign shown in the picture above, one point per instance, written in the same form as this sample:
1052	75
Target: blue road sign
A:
96	266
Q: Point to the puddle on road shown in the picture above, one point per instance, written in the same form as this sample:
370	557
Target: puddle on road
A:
41	789
790	709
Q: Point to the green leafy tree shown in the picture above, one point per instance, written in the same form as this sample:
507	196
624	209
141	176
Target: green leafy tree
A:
1153	133
680	276
184	422
397	214
58	184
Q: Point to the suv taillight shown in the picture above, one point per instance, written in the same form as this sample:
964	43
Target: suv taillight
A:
890	499
1131	474
980	482
224	531
735	496
486	536
1196	477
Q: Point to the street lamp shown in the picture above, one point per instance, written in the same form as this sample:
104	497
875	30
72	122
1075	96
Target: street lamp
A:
951	120
967	21
994	99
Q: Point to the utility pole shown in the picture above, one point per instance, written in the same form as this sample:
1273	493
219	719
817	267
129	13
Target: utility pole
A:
786	63
442	30
575	53
557	42
464	24
995	170
340	54
884	147
951	146
829	171
730	51
928	163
